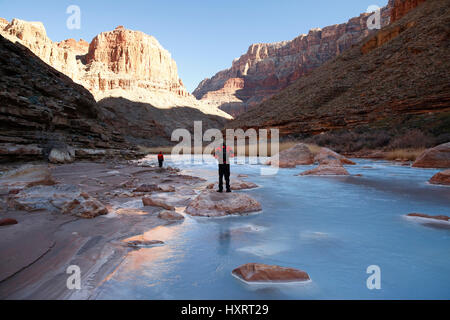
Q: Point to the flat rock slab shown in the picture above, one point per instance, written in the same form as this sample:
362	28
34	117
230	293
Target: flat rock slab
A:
236	185
332	168
262	273
143	243
214	204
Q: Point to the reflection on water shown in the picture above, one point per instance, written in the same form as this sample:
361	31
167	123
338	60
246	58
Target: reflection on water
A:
333	228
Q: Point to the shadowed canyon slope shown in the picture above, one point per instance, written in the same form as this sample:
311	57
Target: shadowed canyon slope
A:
397	78
267	68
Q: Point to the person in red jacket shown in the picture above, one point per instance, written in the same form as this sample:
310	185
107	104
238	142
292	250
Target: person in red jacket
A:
223	155
160	159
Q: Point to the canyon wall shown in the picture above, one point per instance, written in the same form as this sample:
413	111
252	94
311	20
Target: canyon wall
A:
402	7
267	68
120	63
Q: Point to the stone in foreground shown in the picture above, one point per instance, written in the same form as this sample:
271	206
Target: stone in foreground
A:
442	178
214	204
297	155
257	273
143	243
437	157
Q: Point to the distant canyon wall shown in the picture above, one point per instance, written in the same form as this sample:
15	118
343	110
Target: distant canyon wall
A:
119	63
267	68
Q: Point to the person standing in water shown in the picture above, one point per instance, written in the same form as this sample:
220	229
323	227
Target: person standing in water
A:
223	155
160	159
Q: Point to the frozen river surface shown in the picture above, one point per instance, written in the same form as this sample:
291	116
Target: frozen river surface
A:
334	228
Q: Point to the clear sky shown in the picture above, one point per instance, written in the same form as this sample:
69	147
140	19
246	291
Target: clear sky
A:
203	36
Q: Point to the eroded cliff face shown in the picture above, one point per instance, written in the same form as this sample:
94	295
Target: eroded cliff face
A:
402	7
120	63
267	68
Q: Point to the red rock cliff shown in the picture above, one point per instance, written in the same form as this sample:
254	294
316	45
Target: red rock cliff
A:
402	7
267	68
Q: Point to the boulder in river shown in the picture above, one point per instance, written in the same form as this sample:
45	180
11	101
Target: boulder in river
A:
263	273
323	156
236	185
300	154
333	167
442	178
214	204
437	157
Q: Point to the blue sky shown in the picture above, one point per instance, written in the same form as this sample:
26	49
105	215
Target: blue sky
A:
203	36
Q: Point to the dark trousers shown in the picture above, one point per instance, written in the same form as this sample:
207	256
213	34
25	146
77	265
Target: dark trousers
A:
160	163
224	170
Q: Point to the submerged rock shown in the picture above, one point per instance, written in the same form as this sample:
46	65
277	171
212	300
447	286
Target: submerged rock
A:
437	157
256	272
333	167
426	216
442	178
60	198
7	222
153	202
235	185
170	216
300	154
214	204
58	155
323	157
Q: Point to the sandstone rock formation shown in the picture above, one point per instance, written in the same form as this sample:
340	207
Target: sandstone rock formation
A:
214	204
442	178
236	185
59	198
323	156
267	68
41	109
437	157
299	154
426	216
257	272
330	167
383	89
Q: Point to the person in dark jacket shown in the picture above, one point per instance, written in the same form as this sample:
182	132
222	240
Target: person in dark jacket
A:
160	159
223	155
